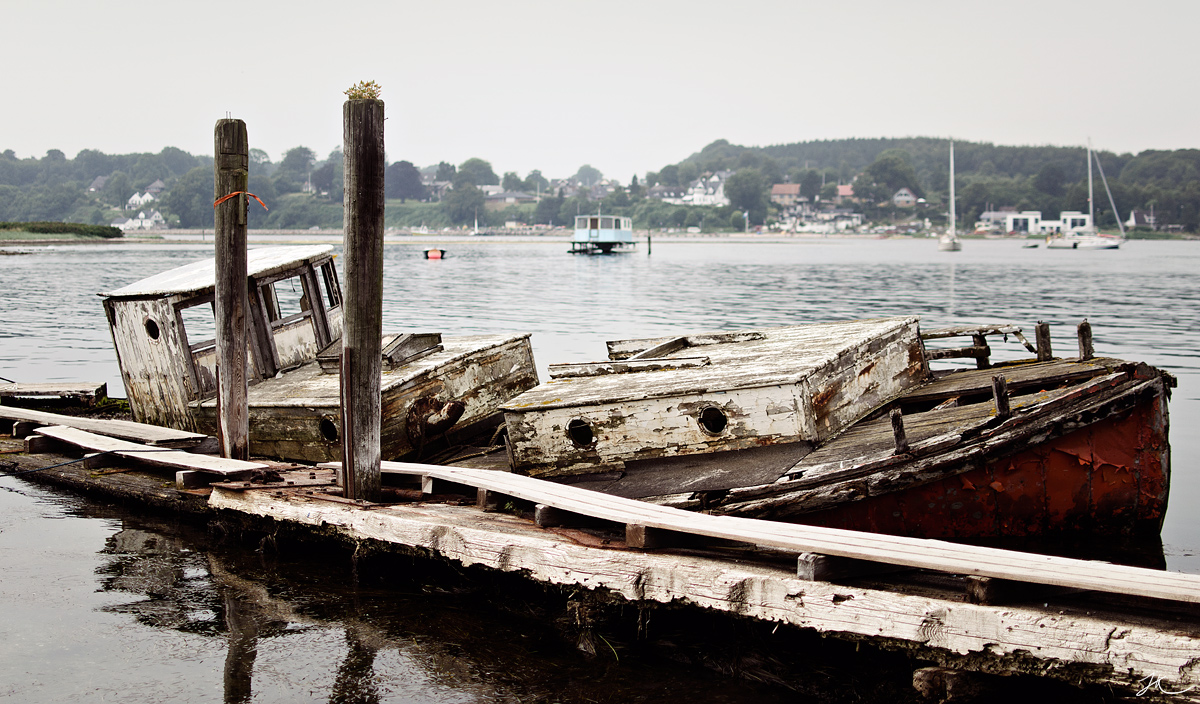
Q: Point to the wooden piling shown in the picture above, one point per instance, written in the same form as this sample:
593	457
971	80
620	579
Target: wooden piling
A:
1086	349
231	173
898	431
1000	395
1044	353
362	131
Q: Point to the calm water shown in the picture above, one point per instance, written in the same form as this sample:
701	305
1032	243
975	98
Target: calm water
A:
104	605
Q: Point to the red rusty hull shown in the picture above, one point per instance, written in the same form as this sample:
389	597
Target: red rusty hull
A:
1109	478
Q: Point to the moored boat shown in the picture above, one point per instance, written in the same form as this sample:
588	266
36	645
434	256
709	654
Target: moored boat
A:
601	234
949	241
1088	237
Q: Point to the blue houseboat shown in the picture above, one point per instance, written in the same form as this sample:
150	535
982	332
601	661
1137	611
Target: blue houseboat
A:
601	234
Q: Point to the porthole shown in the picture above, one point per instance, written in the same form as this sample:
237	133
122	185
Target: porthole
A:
152	328
712	420
328	430
580	432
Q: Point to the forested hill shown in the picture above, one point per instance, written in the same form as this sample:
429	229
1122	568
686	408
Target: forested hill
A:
1046	178
929	158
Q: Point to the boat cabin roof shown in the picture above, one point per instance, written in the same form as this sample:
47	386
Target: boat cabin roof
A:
715	362
200	276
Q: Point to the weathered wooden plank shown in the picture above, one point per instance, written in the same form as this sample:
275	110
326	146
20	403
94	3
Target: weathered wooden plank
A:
406	346
633	364
1121	650
970	331
157	456
623	349
909	552
1043	375
662	349
84	391
123	429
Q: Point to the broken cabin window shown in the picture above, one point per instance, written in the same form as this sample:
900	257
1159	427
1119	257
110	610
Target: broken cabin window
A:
198	320
329	286
285	299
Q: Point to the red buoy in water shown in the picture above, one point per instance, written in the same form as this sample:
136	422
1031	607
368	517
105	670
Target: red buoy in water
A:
435	253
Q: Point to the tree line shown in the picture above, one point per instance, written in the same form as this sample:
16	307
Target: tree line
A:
304	190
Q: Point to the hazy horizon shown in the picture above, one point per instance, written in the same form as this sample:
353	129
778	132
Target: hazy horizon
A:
626	87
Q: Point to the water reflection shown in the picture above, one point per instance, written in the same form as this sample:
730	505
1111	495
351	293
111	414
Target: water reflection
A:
302	624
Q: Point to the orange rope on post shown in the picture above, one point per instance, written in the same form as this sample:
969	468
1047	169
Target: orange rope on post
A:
222	199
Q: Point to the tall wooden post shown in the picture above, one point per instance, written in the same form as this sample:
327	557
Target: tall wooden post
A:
231	171
362	334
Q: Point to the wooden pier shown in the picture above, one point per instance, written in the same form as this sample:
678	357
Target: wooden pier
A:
1051	618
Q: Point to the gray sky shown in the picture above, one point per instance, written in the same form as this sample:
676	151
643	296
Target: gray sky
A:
625	86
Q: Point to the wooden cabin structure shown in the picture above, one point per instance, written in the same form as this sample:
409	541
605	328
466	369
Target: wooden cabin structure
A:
845	425
163	331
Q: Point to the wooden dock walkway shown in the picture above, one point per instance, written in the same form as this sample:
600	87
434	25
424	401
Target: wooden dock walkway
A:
1066	636
640	517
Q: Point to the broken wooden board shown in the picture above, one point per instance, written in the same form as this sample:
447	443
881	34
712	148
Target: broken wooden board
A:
893	550
155	435
1038	375
82	391
801	383
157	456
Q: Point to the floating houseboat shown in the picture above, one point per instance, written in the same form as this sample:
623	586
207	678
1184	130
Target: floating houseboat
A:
845	425
602	234
163	330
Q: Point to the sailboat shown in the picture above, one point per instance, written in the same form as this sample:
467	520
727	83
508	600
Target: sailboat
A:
1088	237
948	241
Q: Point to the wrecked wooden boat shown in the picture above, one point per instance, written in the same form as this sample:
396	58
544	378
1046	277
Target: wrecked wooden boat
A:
164	333
845	425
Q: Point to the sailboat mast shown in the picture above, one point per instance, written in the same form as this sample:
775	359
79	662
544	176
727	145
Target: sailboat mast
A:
953	219
1091	208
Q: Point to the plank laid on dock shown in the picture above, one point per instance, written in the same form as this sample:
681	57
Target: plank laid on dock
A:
86	391
150	455
895	550
122	429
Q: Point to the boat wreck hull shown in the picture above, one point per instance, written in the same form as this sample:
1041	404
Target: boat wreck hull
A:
298	416
1111	478
1090	458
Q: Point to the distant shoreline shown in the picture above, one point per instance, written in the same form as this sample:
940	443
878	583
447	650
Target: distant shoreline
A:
334	236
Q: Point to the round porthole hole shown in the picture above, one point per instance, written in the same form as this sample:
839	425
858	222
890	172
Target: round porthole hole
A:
328	430
580	432
152	328
713	420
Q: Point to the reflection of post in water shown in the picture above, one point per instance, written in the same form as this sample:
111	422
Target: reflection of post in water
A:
356	676
241	620
249	612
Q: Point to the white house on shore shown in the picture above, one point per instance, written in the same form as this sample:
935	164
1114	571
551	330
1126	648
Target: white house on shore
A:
139	200
1030	221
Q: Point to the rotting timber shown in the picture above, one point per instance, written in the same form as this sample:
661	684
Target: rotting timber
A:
844	425
948	604
162	330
